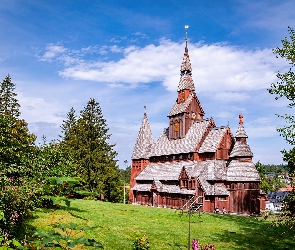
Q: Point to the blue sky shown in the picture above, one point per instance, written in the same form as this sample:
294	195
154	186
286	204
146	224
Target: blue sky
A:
127	54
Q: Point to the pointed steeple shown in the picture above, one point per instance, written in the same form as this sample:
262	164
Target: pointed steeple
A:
241	148
186	84
145	140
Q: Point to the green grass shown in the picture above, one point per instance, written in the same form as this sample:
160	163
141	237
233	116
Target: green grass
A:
119	225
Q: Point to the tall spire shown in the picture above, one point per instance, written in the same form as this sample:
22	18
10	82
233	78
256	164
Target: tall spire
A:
186	38
186	80
145	140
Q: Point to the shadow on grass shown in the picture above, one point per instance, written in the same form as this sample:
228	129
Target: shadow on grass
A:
256	234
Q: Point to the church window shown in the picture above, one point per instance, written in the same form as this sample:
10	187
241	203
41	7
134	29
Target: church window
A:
180	157
189	156
242	185
235	185
221	198
173	157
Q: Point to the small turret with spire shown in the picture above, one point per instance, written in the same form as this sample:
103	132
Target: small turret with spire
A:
241	149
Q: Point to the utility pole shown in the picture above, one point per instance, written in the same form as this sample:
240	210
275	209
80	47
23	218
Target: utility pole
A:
125	180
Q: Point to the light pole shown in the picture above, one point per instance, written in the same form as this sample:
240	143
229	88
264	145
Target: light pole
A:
124	179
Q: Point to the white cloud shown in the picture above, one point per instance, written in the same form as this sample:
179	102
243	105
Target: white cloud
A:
52	51
230	96
216	67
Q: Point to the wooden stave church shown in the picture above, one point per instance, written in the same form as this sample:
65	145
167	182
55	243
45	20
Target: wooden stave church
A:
193	158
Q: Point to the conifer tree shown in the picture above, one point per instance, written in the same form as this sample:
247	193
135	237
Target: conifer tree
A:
68	126
88	140
16	142
8	102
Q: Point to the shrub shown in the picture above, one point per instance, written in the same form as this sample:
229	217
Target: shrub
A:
17	200
141	243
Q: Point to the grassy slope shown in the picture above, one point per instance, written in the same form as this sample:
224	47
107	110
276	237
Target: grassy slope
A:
118	226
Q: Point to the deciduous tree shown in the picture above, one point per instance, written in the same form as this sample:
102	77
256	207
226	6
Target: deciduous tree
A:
285	87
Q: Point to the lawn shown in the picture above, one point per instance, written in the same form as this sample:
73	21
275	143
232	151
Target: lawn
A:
119	225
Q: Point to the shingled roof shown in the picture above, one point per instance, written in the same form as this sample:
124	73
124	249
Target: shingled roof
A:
179	108
212	140
186	80
241	133
144	142
242	171
164	188
164	171
188	144
241	147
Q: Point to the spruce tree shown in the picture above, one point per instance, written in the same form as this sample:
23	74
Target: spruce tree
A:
95	156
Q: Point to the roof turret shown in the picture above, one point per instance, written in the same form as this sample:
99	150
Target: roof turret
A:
144	142
241	147
241	133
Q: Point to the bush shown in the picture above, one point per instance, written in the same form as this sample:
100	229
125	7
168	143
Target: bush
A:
17	201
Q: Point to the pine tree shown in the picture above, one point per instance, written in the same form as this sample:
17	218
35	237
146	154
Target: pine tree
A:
88	140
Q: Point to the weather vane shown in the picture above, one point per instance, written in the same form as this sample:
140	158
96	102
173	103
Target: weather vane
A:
144	109
186	38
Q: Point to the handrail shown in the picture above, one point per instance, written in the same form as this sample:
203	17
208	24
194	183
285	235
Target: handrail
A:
188	202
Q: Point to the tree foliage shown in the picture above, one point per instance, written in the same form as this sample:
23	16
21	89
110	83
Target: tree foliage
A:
285	87
8	102
16	142
268	184
87	138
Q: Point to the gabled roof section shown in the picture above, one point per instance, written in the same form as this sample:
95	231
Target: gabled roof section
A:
211	170
186	80
212	189
179	108
172	189
208	172
242	171
212	140
164	171
144	142
188	144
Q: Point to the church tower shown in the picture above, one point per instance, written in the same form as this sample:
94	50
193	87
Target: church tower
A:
187	107
141	152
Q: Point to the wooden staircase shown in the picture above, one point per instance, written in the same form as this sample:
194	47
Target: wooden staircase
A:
193	205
